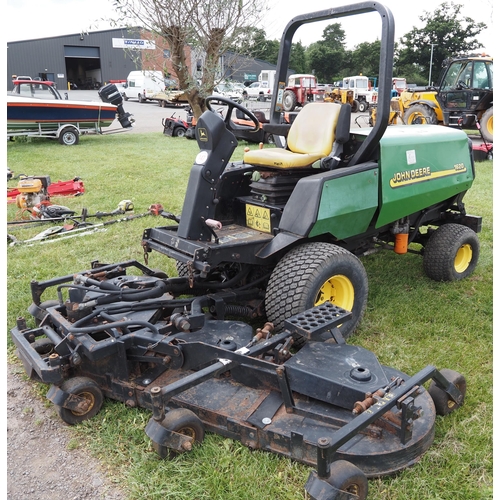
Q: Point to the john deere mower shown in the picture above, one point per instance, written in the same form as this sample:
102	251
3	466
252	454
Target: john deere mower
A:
277	236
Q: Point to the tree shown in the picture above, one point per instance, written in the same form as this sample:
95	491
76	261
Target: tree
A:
446	33
298	59
326	57
252	42
210	27
365	58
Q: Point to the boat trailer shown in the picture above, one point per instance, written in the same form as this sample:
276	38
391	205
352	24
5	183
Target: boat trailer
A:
303	392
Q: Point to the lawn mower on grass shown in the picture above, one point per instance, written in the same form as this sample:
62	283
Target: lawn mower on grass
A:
276	237
303	393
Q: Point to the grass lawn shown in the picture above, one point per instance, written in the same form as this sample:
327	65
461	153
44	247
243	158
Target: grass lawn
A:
411	322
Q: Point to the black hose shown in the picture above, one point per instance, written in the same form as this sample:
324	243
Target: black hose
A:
117	324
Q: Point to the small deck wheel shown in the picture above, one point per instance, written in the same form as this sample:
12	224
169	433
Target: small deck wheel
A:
345	476
85	388
182	421
443	403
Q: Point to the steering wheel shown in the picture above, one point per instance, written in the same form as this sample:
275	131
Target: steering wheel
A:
232	105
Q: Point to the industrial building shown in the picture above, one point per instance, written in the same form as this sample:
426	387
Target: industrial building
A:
88	60
83	59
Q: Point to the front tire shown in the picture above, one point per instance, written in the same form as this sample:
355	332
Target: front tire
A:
363	106
420	114
312	274
451	254
86	388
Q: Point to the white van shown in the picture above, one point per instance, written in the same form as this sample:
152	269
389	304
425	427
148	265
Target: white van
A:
142	85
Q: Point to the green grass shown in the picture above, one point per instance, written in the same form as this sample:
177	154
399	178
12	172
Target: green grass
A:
411	322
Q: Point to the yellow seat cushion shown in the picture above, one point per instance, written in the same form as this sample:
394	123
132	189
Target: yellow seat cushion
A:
310	138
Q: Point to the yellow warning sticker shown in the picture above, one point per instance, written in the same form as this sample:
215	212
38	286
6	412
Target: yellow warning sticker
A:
258	218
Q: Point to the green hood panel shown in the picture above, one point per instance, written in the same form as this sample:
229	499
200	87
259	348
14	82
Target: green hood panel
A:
421	165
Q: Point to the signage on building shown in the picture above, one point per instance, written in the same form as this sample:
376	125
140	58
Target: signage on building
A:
133	43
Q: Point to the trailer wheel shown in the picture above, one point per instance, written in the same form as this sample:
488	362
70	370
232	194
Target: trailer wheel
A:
182	421
486	124
443	403
420	114
312	274
69	137
86	388
345	476
451	253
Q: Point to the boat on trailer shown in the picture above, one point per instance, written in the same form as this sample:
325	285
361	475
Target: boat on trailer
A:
37	109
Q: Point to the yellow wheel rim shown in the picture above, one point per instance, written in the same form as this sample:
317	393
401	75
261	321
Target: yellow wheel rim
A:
416	118
338	290
489	125
463	258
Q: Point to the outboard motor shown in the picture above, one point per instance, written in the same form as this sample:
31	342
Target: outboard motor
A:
110	94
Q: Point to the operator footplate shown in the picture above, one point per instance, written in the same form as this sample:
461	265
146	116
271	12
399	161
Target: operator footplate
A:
318	320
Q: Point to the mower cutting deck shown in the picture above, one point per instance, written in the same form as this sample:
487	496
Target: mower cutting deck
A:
302	393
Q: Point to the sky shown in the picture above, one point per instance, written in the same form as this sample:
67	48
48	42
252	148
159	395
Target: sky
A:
29	19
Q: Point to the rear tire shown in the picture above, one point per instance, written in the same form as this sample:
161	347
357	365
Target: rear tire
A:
451	254
312	274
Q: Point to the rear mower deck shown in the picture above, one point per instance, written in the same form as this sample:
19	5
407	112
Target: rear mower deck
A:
302	393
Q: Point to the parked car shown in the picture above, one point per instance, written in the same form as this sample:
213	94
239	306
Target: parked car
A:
229	91
258	90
